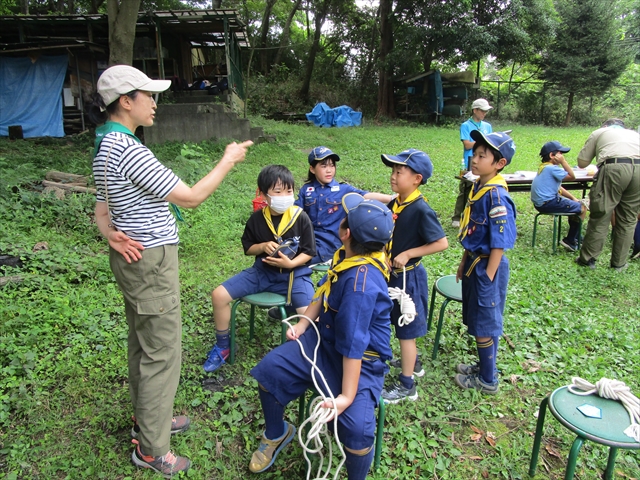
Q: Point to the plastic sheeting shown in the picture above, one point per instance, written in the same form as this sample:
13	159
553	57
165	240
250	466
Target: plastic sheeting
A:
31	95
324	116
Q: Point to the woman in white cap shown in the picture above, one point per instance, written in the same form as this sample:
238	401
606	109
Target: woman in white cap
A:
132	212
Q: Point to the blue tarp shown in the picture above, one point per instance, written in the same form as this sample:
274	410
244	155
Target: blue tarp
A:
31	95
324	116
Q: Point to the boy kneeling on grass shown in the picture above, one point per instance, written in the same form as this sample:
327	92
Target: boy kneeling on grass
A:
487	229
352	310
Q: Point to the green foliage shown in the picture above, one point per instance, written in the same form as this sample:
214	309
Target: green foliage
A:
64	402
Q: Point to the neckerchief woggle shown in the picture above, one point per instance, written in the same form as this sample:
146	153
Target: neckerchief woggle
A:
497	181
109	127
397	208
377	259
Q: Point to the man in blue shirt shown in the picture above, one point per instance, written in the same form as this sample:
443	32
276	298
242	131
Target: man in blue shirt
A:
479	109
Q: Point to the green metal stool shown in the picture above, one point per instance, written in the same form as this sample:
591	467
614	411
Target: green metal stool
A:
557	229
450	290
262	300
607	430
320	268
304	406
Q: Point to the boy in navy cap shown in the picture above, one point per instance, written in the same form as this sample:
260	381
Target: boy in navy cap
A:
352	310
320	198
548	196
417	232
487	229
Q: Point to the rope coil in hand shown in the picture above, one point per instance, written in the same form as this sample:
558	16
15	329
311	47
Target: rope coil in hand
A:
613	390
407	307
319	416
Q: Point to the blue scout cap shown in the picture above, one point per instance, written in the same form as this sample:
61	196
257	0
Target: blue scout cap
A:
553	146
416	160
369	220
498	140
320	153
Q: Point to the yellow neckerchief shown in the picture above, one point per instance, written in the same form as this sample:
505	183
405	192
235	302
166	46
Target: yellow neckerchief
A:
377	259
289	217
497	181
542	167
397	208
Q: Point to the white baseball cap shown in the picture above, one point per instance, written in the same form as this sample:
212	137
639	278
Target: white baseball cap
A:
482	104
121	79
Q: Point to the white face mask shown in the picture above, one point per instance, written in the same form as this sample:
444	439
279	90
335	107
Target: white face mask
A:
280	204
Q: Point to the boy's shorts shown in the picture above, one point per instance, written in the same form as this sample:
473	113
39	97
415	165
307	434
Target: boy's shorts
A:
483	301
418	290
257	280
560	205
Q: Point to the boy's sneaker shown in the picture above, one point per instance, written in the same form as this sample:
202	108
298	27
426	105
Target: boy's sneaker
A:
399	392
274	312
591	263
268	450
418	371
216	358
621	268
179	424
455	223
167	465
468	369
636	253
571	247
474	381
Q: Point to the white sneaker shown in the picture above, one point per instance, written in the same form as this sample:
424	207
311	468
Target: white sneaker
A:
455	223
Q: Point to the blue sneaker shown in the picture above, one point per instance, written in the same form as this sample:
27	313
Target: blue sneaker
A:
216	358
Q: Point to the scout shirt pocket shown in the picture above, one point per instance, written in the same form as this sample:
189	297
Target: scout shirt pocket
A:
486	289
332	205
159	320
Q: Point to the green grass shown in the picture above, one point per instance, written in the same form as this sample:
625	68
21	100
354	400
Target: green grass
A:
64	406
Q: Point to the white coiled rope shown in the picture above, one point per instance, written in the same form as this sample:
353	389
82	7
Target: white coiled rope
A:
407	307
614	390
318	416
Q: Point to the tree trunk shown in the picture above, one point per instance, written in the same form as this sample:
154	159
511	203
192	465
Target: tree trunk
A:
427	58
321	14
285	31
123	15
264	32
370	54
567	119
24	7
95	5
385	82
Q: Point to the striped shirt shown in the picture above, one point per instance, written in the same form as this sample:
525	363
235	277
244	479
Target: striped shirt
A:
137	187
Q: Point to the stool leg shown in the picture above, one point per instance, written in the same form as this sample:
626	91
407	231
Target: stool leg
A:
301	405
436	342
252	317
573	458
232	333
556	234
608	474
379	434
580	235
433	301
535	227
283	327
538	439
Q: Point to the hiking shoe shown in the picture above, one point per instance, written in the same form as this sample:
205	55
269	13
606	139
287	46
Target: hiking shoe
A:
468	369
216	358
399	392
591	263
179	424
621	268
268	450
636	253
474	381
167	465
418	371
571	247
455	223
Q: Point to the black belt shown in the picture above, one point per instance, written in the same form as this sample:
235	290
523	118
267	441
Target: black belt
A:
635	161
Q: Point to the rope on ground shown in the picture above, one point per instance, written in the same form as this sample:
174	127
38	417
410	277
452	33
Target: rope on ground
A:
407	307
318	416
613	390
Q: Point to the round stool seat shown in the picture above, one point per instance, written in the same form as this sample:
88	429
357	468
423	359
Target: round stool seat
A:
607	430
265	299
320	267
449	288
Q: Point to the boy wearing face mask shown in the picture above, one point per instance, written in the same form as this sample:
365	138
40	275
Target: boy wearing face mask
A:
281	238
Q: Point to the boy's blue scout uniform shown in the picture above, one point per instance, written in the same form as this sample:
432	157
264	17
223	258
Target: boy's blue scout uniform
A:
323	205
354	323
491	225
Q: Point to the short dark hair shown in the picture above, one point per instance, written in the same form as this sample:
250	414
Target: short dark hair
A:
362	248
271	175
99	113
547	156
613	121
495	152
311	176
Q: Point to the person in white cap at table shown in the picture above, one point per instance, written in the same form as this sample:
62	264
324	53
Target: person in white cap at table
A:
616	188
132	212
479	110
